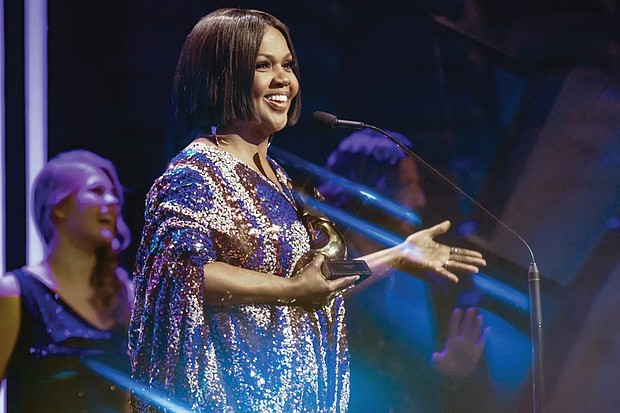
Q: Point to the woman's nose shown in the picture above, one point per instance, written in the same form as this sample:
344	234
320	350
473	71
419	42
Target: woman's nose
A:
419	201
414	199
111	203
110	198
282	77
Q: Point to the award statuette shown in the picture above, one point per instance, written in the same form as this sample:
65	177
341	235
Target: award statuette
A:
326	239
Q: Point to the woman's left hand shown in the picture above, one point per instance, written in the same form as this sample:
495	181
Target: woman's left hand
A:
422	251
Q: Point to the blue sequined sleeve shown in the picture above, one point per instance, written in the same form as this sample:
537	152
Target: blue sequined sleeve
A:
176	244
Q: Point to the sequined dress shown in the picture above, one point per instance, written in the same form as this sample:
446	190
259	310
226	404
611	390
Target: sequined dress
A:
210	206
49	368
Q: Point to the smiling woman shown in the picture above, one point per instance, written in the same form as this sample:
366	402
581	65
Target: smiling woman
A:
274	81
223	321
75	305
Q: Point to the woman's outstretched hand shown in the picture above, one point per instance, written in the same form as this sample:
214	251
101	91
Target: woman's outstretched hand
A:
422	251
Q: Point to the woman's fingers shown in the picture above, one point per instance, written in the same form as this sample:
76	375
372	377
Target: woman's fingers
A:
438	229
469	322
318	261
343	282
444	272
455	322
464	252
465	260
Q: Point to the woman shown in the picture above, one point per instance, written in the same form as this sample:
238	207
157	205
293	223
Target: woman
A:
367	158
222	323
392	324
74	307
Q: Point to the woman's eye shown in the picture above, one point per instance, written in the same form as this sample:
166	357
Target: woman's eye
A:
289	66
99	190
262	65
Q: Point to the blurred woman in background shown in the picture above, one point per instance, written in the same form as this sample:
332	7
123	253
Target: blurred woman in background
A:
75	305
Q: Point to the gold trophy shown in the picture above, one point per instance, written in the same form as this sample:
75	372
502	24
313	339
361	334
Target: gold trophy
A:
326	239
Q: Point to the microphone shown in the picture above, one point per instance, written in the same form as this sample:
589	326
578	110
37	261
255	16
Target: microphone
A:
327	120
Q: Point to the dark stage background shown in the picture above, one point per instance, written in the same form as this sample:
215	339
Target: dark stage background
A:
518	102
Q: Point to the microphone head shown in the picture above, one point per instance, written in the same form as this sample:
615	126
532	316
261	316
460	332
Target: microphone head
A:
324	120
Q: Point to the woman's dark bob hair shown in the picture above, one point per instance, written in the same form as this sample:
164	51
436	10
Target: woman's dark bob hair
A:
215	72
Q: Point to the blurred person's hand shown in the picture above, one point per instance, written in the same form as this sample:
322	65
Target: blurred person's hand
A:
464	345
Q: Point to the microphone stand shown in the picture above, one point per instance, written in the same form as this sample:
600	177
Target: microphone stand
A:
536	321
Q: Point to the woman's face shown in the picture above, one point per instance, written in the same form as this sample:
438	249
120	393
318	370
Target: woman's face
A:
409	192
275	84
90	214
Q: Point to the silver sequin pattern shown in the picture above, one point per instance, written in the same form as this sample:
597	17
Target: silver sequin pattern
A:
210	206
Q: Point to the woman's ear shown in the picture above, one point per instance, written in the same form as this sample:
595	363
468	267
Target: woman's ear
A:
59	211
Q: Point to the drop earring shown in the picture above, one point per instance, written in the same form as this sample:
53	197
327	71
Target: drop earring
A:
214	134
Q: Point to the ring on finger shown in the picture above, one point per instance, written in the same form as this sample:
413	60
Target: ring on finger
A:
445	264
454	250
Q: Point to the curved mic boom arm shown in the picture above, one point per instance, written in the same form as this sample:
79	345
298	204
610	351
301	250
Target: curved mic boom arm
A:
327	120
